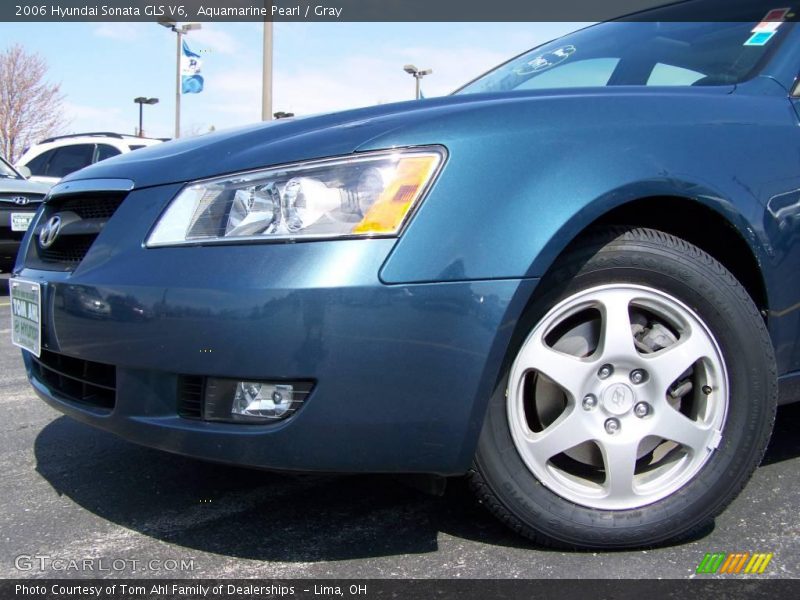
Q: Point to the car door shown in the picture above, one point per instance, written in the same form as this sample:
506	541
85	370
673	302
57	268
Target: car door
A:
62	161
69	159
105	151
38	167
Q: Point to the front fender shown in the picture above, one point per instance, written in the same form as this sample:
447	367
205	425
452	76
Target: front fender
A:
523	178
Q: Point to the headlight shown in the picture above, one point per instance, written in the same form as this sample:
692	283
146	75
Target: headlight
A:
362	196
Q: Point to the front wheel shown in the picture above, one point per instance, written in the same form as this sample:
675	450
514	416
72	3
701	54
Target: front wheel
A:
638	401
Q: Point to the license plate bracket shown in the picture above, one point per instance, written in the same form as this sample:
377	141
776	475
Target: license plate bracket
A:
26	315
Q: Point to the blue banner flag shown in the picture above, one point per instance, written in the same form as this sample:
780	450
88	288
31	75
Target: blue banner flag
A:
191	79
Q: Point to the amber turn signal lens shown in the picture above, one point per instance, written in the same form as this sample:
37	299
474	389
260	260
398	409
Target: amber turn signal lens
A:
400	196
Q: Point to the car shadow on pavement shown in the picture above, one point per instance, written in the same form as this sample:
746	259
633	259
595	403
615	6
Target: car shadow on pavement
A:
254	514
261	515
3	284
785	443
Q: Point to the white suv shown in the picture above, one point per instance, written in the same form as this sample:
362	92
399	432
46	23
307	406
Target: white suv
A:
57	157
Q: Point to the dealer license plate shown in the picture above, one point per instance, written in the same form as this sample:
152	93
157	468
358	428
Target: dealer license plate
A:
21	221
26	313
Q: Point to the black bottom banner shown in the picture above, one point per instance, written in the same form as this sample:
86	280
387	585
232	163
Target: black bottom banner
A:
325	589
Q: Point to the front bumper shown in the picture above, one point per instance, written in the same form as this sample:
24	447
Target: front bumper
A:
401	373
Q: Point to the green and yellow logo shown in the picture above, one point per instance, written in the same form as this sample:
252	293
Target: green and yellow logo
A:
734	563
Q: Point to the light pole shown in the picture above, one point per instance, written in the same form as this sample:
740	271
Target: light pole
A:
141	101
181	31
417	74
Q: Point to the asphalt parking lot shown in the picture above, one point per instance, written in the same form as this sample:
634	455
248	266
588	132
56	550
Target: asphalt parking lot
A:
72	493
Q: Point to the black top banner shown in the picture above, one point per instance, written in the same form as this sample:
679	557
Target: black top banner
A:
391	10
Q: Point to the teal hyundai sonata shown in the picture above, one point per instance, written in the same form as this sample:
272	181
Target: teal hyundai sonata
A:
574	281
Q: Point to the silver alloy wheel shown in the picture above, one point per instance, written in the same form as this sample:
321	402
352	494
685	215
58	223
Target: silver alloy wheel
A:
618	397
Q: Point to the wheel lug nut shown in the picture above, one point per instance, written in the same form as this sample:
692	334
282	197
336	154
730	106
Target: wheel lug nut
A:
612	426
589	402
605	371
641	410
638	376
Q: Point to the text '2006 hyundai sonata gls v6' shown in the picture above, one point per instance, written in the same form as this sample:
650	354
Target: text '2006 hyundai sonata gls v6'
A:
575	280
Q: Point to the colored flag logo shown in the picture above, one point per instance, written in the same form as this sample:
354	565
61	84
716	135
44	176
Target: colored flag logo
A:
191	80
735	563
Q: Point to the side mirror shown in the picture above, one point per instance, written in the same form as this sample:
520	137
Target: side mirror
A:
24	171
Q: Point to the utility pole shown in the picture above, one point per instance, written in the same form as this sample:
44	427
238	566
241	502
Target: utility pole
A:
179	38
266	73
180	31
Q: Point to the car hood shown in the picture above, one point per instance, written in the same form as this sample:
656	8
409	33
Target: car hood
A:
23	186
430	121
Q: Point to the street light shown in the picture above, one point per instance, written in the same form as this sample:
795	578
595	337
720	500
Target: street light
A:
181	31
141	101
417	74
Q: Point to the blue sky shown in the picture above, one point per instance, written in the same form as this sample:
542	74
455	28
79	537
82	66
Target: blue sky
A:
319	67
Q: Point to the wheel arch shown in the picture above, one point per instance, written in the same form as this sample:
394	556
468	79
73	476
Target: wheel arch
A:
712	225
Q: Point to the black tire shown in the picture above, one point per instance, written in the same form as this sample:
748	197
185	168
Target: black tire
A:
509	489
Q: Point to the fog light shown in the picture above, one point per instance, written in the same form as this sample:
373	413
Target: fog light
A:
264	400
252	401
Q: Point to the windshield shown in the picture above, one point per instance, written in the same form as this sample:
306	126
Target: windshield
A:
623	53
6	171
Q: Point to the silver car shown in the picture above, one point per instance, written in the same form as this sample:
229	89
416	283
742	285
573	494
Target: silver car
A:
19	199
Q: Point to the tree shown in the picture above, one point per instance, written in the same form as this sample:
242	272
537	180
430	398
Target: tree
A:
31	108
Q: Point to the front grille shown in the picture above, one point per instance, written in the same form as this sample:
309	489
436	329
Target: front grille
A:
80	381
73	242
6	210
191	389
68	251
98	207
